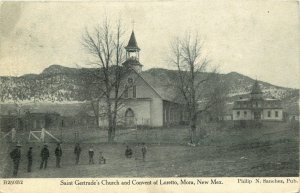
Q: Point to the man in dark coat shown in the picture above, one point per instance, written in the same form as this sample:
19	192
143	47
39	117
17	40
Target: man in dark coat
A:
77	151
44	156
128	152
144	151
16	157
91	155
29	157
58	154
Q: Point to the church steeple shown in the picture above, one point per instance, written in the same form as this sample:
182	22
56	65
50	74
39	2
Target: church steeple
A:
256	92
132	44
133	54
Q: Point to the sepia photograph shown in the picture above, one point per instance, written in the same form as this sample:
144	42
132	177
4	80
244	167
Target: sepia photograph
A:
142	89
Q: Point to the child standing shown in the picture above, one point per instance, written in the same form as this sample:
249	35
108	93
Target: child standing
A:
102	160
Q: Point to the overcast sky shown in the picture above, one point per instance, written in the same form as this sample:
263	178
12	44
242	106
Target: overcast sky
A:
258	39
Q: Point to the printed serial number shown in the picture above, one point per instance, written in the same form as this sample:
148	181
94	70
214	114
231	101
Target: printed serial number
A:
12	182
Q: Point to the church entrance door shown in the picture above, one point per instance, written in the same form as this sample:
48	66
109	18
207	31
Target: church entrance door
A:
129	118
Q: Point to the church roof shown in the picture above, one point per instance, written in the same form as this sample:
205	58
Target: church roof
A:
162	86
132	61
256	88
132	44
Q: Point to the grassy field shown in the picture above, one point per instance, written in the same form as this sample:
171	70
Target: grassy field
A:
269	151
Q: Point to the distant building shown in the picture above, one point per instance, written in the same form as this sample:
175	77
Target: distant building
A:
225	117
37	120
257	108
7	122
293	117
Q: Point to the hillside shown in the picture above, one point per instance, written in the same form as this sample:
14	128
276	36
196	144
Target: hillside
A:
63	84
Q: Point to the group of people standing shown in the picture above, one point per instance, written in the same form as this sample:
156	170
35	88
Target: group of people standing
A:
16	157
15	154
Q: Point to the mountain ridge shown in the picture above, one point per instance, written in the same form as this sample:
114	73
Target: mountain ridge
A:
61	83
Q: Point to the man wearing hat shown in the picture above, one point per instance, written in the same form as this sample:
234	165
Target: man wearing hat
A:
44	156
58	154
29	157
16	157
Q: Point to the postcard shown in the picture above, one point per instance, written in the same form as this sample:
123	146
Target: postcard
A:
149	96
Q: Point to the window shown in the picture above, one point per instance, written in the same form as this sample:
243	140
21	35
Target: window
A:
165	115
245	113
126	93
134	92
256	104
269	113
276	113
238	113
130	80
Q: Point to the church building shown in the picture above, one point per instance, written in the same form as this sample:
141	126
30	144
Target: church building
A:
257	108
143	103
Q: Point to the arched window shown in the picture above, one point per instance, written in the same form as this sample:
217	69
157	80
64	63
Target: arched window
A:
129	113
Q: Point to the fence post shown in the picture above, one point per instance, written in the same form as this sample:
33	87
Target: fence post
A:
13	135
43	135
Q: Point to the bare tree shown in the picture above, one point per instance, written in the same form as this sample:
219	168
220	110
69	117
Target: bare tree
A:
104	43
195	84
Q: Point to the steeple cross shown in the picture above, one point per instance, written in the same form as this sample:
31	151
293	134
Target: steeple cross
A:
132	22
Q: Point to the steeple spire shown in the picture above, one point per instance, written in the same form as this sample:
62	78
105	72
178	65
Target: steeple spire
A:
133	54
132	44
